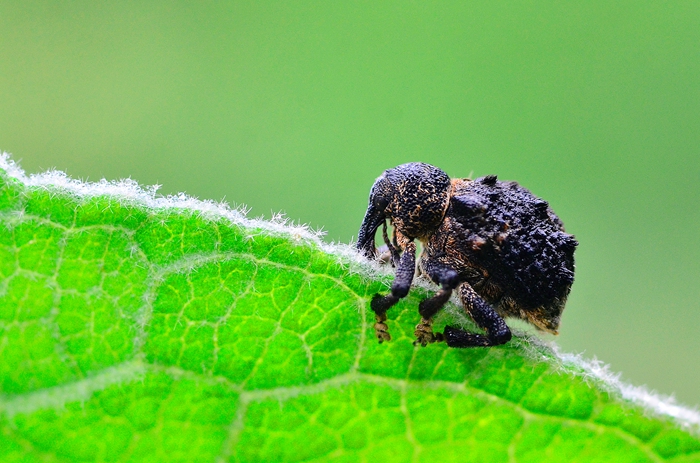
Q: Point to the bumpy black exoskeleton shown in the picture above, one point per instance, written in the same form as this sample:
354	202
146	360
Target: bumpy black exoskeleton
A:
498	245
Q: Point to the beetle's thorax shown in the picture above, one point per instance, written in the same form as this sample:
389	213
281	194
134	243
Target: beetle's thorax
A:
421	218
420	196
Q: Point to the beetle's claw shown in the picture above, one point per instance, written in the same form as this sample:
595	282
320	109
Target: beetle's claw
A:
381	328
424	333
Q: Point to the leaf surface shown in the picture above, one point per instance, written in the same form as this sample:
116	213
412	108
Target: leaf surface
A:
136	328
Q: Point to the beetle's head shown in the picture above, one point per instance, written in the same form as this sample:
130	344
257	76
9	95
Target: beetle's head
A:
414	197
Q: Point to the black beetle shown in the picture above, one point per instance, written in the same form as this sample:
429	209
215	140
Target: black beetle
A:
502	248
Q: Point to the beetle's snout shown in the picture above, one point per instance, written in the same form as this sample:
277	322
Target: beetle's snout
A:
374	217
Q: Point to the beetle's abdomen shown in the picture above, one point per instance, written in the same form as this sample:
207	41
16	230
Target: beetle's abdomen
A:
516	237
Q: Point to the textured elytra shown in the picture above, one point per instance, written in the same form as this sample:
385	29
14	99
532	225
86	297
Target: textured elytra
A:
135	333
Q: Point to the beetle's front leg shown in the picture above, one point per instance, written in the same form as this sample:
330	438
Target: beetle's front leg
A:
448	279
399	288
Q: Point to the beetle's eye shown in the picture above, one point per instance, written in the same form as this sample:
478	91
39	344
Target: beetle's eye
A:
380	202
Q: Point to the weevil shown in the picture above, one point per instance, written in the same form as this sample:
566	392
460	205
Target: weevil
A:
499	246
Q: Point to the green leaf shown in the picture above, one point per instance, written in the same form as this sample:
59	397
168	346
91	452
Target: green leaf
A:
138	328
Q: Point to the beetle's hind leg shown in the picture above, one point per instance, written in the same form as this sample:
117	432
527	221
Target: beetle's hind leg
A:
399	288
448	279
497	332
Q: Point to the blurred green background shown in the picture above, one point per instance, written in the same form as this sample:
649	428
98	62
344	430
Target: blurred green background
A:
299	106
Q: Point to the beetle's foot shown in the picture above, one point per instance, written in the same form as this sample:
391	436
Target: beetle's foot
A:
381	328
424	333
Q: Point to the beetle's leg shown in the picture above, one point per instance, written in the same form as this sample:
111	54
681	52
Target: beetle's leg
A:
448	279
497	332
399	288
393	251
